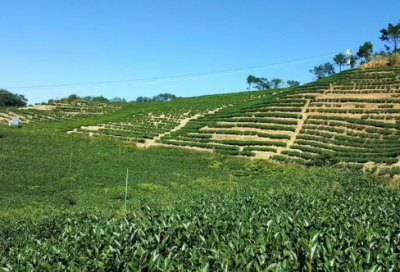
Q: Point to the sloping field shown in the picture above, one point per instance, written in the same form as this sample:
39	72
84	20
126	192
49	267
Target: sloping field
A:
68	204
57	112
352	116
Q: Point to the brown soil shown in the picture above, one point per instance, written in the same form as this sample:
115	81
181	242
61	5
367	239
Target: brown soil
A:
93	128
397	163
72	131
10	115
143	145
263	155
40	107
4	120
375	63
16	114
299	125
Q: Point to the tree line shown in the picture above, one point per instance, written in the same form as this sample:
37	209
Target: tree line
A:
391	38
163	97
261	83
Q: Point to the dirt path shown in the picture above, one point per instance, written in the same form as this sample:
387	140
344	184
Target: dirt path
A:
298	127
183	122
9	115
396	164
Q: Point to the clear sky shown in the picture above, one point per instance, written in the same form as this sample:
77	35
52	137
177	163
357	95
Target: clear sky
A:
46	42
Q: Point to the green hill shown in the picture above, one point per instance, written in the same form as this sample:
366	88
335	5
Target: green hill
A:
65	204
351	117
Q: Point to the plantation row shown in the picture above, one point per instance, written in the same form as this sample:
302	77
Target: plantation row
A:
328	105
351	139
322	221
352	126
208	133
260	115
154	119
358	100
355	111
366	90
354	121
354	157
351	135
225	147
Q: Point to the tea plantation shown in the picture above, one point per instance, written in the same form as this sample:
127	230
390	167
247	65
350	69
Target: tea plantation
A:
62	182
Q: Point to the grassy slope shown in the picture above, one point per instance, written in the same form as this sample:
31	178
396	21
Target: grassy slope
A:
188	211
205	211
37	171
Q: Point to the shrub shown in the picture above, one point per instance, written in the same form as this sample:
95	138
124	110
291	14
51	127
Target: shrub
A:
324	160
394	59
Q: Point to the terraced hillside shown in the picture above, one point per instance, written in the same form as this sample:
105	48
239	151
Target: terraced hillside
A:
352	117
56	112
144	124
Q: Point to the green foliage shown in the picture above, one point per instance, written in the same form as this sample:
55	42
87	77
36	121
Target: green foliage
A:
323	70
62	196
340	60
276	83
394	59
293	83
250	80
164	97
391	35
325	159
352	61
8	99
365	51
289	219
261	83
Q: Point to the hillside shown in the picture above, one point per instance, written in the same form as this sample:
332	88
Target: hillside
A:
351	116
77	194
62	208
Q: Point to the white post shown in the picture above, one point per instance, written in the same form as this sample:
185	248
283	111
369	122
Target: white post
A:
70	163
348	55
126	189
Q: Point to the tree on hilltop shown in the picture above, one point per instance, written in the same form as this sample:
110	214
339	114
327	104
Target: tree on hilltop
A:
276	83
293	83
352	61
8	99
323	70
118	100
72	97
262	84
340	60
365	52
164	97
250	80
391	36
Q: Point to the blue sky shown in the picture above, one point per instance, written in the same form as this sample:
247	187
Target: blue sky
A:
47	42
